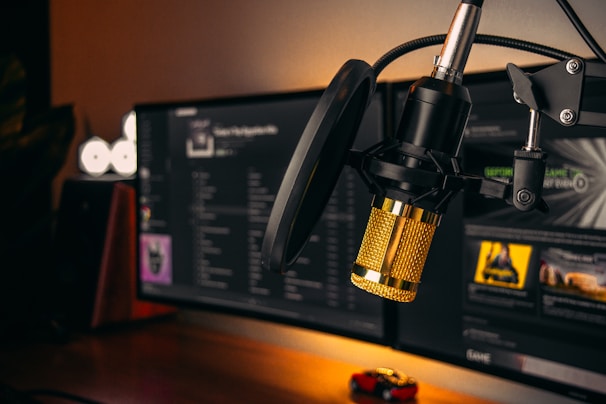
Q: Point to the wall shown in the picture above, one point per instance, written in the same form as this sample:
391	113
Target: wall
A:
107	55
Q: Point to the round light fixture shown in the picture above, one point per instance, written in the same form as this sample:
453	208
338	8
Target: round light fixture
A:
95	156
124	157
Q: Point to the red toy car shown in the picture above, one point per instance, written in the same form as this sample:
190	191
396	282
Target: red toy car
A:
386	383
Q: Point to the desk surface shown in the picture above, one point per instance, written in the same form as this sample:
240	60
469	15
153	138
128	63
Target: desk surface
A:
171	362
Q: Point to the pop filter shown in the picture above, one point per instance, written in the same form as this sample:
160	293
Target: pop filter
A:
316	164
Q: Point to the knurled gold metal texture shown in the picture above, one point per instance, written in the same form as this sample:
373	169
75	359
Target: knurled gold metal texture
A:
394	249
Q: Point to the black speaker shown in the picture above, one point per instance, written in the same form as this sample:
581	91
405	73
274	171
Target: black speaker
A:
78	245
95	254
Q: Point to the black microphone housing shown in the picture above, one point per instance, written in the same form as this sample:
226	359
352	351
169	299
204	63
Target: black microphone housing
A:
433	122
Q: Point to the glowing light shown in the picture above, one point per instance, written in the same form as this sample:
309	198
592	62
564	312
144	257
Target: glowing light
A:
95	156
124	157
129	126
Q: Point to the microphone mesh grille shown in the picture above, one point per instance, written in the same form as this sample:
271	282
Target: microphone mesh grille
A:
395	248
376	239
387	292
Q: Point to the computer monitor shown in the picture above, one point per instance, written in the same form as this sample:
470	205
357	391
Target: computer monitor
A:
519	295
208	173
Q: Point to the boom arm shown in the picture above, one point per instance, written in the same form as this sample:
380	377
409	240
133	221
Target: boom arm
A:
555	91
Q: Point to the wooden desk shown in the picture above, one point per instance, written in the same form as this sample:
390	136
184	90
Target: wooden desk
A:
171	362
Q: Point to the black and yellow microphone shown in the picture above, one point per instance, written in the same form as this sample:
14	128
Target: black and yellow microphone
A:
411	170
410	174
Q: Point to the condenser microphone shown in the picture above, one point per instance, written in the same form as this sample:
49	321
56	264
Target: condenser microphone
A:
413	174
409	172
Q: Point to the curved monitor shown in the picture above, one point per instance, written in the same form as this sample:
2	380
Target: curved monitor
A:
520	295
208	175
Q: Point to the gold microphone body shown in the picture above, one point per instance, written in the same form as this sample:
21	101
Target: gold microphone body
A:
394	248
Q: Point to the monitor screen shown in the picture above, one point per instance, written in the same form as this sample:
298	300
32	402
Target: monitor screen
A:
208	173
520	295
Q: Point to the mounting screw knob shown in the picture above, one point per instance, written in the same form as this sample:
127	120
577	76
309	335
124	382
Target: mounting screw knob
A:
568	117
574	66
525	196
